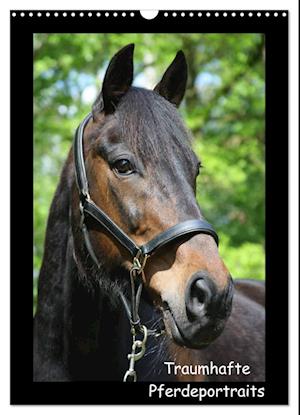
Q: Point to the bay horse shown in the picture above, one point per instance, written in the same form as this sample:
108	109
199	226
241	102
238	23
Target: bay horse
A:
125	217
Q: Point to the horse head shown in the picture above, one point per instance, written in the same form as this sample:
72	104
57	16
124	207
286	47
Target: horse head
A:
142	172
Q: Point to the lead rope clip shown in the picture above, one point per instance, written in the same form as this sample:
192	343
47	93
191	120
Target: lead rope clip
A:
135	355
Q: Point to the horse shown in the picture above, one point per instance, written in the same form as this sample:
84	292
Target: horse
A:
131	280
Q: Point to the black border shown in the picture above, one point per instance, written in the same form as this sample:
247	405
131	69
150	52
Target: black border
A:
23	389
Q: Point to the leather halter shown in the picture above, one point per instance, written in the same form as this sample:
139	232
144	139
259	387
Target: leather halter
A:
89	208
139	254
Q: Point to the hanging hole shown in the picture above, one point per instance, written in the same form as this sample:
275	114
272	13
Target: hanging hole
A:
149	14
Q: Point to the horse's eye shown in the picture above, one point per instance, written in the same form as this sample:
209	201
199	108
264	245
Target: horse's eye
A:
123	166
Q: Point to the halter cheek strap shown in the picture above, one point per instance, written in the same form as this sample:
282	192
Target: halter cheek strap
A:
139	254
80	172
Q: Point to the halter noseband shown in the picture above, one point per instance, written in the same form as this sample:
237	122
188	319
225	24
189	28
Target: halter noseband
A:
139	254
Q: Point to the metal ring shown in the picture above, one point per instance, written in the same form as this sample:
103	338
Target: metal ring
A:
130	373
81	208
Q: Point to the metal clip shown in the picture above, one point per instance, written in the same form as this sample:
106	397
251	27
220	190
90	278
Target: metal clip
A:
135	356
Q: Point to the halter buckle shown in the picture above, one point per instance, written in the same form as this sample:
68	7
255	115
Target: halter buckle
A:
81	208
85	196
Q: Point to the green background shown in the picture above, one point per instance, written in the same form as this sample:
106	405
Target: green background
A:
224	107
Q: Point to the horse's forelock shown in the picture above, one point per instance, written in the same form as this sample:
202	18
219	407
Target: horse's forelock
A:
153	127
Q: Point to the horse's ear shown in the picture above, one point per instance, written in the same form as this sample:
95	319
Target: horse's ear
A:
117	80
173	84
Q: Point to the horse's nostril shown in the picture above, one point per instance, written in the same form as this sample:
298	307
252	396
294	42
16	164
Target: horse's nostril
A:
201	292
198	296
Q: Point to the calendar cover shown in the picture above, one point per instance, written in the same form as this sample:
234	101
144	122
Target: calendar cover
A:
149	147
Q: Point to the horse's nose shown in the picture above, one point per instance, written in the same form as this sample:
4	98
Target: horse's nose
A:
199	295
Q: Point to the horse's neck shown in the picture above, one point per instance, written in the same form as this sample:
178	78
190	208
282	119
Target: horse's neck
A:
95	339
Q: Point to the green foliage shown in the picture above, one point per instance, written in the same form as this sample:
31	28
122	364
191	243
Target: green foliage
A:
224	108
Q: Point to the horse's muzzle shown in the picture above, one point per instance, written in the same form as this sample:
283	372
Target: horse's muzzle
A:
206	312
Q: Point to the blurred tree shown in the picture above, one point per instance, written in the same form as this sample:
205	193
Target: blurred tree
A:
224	108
